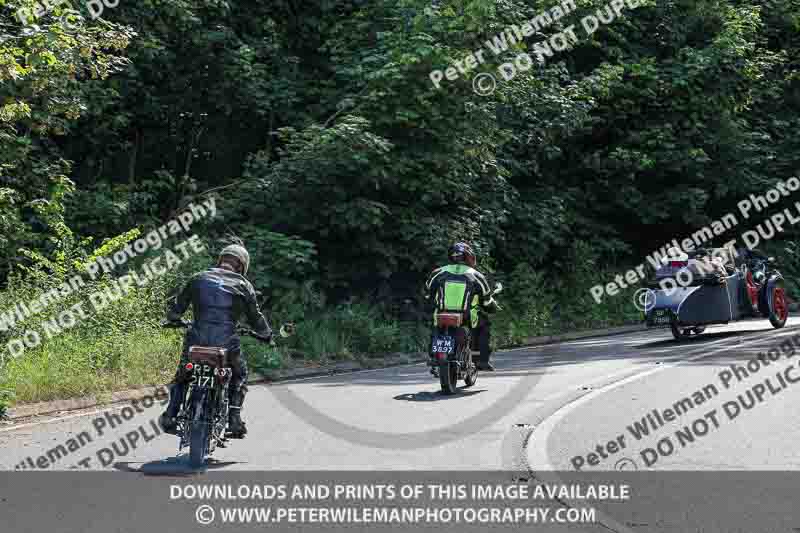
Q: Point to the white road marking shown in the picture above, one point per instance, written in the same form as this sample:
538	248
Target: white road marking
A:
537	454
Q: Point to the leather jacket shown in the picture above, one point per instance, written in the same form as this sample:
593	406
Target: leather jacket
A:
220	298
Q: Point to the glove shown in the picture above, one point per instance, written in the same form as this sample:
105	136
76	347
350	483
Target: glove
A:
287	330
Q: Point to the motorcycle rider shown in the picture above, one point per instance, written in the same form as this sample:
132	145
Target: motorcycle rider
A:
219	297
475	302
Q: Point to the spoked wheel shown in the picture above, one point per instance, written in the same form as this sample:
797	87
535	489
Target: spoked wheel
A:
778	307
448	377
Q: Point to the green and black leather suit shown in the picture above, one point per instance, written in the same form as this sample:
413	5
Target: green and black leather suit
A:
461	288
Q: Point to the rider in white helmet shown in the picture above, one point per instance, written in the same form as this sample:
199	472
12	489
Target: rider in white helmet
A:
219	297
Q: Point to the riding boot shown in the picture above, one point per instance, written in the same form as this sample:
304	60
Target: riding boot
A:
484	346
236	425
168	419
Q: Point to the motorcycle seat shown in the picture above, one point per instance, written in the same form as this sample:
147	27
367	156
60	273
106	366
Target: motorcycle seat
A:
216	357
451	320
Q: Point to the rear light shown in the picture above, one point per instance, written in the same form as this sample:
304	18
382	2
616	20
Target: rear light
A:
441	355
189	366
678	263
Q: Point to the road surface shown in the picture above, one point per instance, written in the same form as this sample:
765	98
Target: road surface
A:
541	408
638	401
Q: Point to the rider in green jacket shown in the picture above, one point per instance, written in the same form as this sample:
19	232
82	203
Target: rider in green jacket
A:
458	286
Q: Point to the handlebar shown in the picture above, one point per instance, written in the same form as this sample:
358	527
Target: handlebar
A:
178	324
251	333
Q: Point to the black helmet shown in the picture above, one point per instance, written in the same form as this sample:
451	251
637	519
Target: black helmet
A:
462	252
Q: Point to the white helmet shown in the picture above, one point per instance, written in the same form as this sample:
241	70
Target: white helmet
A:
240	253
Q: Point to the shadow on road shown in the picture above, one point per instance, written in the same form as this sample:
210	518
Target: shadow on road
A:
522	366
436	396
172	466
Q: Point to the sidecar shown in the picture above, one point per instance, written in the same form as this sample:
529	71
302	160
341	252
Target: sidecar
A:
686	298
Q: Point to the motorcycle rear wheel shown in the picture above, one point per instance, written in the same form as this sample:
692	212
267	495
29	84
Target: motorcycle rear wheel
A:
448	377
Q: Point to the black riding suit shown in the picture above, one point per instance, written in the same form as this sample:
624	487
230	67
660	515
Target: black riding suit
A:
219	299
475	303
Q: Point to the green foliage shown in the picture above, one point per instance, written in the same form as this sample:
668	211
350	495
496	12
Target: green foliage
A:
527	307
46	73
279	263
76	364
540	303
118	346
355	329
344	169
320	122
264	359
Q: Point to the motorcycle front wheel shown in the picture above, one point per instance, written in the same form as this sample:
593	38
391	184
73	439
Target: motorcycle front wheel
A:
778	307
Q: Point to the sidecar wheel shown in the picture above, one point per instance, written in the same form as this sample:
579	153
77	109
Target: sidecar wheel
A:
680	333
778	307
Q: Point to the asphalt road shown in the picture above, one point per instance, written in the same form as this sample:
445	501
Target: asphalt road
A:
542	407
580	406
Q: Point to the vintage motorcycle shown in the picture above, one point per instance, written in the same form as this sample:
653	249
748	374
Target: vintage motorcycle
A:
747	288
451	357
203	419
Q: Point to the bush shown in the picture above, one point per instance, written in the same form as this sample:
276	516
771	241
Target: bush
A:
73	365
549	303
264	359
119	346
353	329
527	307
